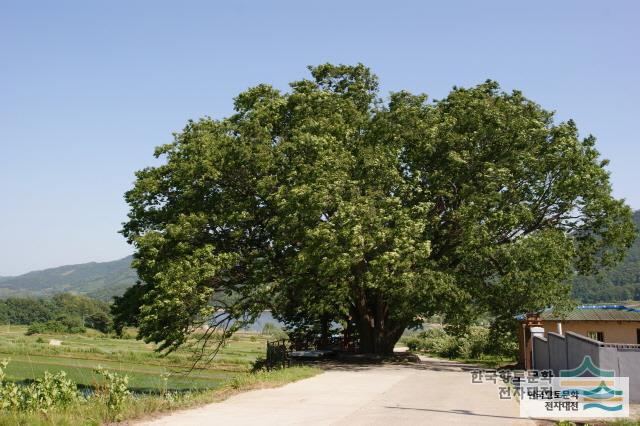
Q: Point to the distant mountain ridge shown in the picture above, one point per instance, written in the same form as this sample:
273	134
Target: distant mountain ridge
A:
101	280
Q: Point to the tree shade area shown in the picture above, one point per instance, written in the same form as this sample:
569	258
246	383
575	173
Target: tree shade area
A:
619	283
328	204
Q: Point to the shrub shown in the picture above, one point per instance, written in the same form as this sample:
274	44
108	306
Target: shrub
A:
52	390
72	324
502	344
475	343
414	343
116	391
10	396
478	342
48	327
64	324
273	330
258	365
447	346
100	321
57	391
433	339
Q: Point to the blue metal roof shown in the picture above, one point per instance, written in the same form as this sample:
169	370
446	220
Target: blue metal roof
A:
592	313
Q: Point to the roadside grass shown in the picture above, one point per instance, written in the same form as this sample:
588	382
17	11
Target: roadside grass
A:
95	412
487	361
624	422
79	354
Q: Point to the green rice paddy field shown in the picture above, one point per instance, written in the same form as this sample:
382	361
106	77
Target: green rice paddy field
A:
79	354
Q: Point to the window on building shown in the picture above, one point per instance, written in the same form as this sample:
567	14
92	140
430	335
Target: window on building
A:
596	335
638	335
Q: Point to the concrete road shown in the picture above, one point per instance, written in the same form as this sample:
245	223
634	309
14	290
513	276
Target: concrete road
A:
434	392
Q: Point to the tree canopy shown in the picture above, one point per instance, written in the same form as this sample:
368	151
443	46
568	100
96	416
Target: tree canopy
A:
328	203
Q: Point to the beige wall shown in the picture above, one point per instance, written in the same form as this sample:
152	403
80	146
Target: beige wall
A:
614	331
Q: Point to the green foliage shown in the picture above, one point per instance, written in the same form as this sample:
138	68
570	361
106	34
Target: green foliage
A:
53	390
78	306
126	308
478	342
328	204
44	394
45	327
63	313
502	340
617	284
64	324
115	390
100	321
425	341
26	310
273	331
56	391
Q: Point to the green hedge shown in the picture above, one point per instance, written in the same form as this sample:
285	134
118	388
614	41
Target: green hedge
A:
476	343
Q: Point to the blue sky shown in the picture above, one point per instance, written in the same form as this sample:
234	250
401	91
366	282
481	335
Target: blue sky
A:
87	89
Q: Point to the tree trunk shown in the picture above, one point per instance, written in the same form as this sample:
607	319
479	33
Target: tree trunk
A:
325	326
377	333
376	341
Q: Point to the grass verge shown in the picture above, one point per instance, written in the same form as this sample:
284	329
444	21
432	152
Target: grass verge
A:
493	362
95	412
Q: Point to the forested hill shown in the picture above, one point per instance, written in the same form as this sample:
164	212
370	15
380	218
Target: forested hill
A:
99	280
618	284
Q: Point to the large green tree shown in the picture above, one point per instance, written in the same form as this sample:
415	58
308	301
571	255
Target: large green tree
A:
328	203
